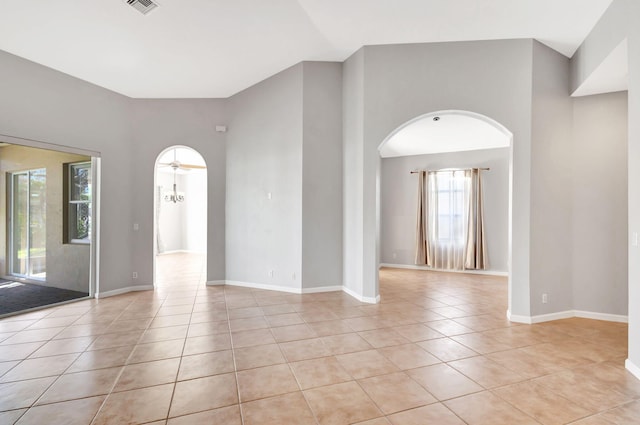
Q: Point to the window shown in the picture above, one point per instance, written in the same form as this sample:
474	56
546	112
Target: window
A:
451	207
77	219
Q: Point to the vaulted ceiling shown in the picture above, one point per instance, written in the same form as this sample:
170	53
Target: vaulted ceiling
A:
215	48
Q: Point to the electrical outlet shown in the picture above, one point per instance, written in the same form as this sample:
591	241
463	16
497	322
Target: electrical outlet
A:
270	273
293	276
134	275
545	298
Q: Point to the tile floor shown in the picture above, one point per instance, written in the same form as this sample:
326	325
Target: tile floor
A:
436	350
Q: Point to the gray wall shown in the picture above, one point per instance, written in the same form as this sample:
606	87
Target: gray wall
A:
264	155
40	104
398	200
551	159
352	189
620	21
599	218
67	265
322	175
156	126
402	82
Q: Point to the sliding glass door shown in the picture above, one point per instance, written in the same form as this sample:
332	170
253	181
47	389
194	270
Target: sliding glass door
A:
28	239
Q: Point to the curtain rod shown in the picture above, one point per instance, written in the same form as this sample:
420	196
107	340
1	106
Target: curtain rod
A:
448	169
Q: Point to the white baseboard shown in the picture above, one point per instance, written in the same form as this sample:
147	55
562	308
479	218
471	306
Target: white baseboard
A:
368	300
566	315
319	289
334	288
518	319
216	282
602	316
416	267
631	367
124	291
264	286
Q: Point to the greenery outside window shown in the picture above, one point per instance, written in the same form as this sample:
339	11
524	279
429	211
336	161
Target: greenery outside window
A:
77	217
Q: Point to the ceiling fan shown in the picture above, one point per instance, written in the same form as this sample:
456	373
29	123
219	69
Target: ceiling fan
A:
175	196
177	165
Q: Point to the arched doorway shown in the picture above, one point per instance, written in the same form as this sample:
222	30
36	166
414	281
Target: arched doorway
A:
180	219
450	140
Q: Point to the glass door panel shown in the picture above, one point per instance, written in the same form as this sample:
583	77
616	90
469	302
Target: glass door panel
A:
28	224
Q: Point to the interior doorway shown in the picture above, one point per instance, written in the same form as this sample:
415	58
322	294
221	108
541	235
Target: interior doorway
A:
180	222
49	225
445	143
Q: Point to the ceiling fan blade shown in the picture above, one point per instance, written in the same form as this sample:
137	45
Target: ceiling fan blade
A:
164	164
201	167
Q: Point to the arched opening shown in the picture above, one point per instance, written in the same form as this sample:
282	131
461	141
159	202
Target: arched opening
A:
180	219
445	140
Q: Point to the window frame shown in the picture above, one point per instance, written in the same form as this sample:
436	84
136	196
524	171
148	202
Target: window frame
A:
68	203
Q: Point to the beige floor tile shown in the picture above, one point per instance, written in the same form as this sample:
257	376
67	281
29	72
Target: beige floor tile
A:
177	320
258	356
525	364
319	372
53	322
156	351
286	319
136	406
340	404
119	326
417	332
75	412
447	349
248	323
541	404
304	349
33	335
443	381
481	343
7	366
293	333
208	316
383	338
377	421
252	338
16	395
330	327
207	343
365	364
266	381
116	340
206	364
486	372
318	316
15	325
208	328
431	414
18	351
80	385
100	359
396	392
345	343
164	334
225	415
289	408
408	356
448	327
584	391
625	414
39	368
487	409
142	375
198	395
11	416
360	324
63	346
243	313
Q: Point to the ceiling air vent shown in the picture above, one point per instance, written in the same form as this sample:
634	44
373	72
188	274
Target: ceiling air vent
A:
142	6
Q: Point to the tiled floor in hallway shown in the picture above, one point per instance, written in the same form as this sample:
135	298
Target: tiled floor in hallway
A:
436	350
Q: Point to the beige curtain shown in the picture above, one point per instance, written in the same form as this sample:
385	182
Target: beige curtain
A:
475	252
422	245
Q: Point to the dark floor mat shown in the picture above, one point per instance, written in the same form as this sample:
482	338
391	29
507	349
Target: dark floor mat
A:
17	296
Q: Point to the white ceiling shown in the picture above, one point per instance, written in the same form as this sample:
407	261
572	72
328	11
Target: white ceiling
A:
446	131
610	76
215	48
